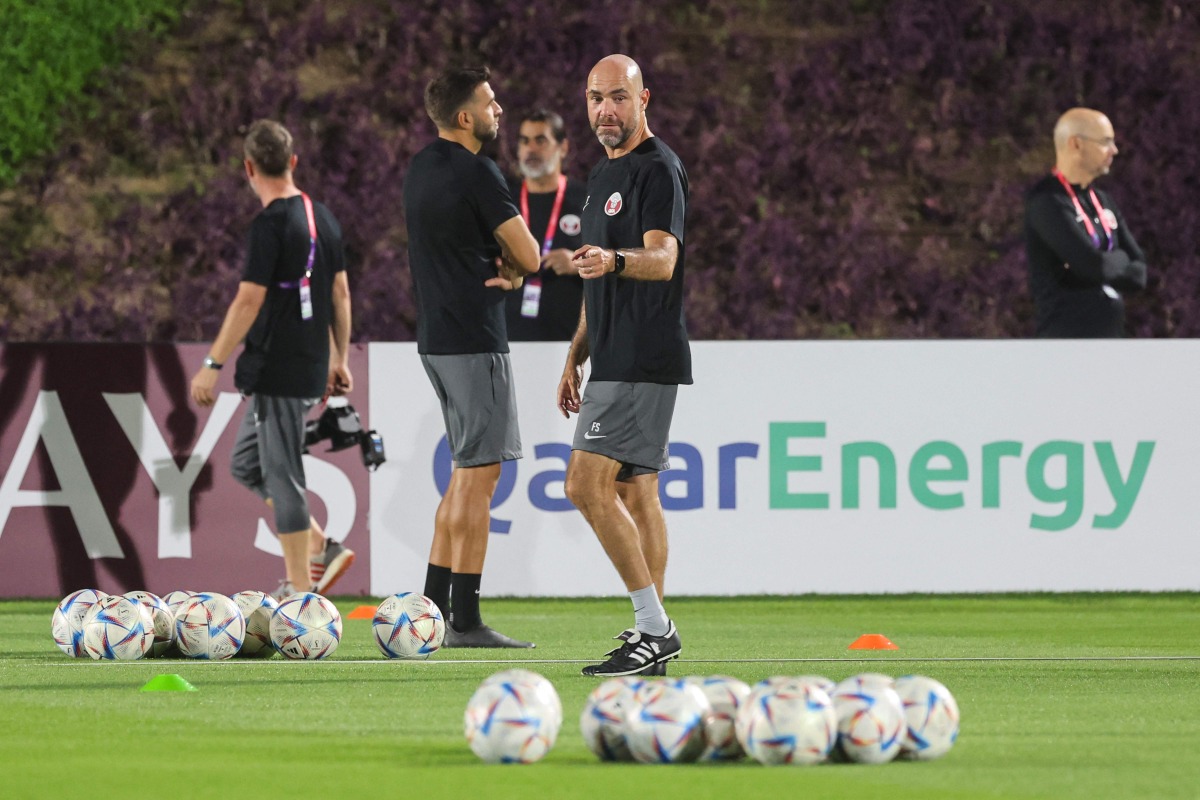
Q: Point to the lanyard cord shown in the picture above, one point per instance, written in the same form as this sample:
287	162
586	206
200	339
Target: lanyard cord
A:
1087	221
552	226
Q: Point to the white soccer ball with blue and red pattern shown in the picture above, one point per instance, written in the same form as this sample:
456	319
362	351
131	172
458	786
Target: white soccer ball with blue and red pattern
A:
66	623
790	723
725	695
408	625
257	608
209	626
164	622
930	717
118	629
794	682
870	719
306	627
666	722
176	599
602	722
513	718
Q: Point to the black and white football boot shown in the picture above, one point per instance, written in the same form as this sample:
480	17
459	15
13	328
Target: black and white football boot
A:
658	670
639	654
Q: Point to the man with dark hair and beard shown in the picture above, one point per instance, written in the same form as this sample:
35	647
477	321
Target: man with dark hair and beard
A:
467	246
547	307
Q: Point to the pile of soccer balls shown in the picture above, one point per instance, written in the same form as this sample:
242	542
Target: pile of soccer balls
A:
514	717
202	625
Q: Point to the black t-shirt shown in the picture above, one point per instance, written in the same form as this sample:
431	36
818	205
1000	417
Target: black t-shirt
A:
561	295
453	201
1077	284
636	329
293	352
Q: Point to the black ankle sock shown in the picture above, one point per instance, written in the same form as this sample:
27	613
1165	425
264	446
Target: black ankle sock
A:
437	588
464	599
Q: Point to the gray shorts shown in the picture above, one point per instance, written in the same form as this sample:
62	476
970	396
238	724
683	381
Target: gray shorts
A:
479	406
267	457
627	422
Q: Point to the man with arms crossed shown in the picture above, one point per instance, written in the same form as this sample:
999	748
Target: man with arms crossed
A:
293	310
460	219
1082	256
632	327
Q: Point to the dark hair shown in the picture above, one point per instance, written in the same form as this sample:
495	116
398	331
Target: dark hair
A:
269	146
551	118
452	89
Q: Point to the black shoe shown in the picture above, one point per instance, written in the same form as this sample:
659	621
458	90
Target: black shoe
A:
639	652
658	670
482	636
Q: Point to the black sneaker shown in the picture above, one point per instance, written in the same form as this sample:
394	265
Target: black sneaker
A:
658	670
482	636
640	652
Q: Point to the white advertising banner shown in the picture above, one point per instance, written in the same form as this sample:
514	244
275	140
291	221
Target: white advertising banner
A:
833	467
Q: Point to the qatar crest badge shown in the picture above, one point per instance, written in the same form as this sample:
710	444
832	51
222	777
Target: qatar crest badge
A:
1110	218
570	225
614	204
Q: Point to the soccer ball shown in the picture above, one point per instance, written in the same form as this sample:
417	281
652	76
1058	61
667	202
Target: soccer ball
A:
724	694
306	626
118	629
513	718
602	722
792	723
257	608
163	619
66	623
666	722
176	599
870	718
209	626
408	625
930	715
795	682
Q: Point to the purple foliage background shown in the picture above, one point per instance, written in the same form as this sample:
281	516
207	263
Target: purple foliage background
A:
857	169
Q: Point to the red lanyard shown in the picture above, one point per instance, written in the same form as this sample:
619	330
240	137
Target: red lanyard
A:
312	234
1087	221
552	226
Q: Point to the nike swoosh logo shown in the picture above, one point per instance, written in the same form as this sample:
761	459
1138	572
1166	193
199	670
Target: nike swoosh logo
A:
598	436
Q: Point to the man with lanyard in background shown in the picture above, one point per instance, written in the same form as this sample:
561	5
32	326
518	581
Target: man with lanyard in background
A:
1081	254
292	308
546	309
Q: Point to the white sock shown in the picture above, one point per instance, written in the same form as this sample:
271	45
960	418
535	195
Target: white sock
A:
649	613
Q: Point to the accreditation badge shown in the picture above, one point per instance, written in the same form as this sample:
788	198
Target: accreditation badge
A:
531	299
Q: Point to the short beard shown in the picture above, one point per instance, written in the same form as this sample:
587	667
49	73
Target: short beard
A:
616	139
548	167
485	134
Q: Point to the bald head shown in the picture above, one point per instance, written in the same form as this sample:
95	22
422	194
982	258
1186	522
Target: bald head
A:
1083	122
617	102
1084	145
615	69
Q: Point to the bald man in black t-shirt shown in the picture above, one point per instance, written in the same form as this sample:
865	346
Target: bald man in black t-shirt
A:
632	327
461	219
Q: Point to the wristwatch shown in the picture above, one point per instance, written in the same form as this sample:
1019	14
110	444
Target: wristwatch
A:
619	257
211	363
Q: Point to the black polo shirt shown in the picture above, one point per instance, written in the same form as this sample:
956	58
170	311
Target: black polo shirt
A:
293	352
562	295
636	328
453	201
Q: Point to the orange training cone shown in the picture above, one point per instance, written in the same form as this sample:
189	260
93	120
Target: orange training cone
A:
362	612
872	641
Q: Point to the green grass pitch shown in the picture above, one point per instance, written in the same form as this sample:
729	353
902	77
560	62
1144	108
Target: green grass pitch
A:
1062	696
